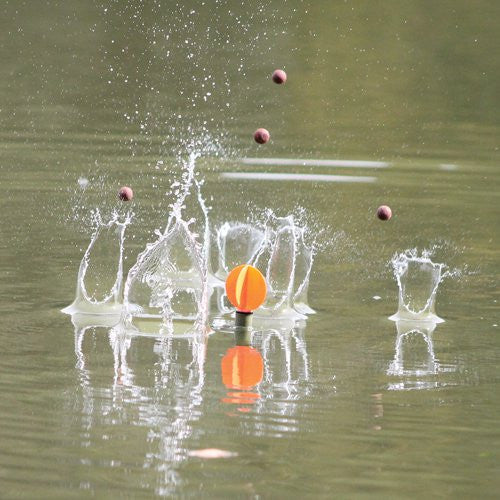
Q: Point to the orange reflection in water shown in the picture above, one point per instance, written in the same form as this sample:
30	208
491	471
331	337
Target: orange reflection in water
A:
242	369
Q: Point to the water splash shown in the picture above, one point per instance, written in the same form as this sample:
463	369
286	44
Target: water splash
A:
99	287
168	289
418	280
279	249
287	261
237	243
170	278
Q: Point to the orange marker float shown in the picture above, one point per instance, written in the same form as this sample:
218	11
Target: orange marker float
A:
246	289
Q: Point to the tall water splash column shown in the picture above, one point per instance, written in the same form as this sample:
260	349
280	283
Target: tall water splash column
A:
418	279
170	278
98	289
288	262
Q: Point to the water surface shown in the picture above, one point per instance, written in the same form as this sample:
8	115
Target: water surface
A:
107	91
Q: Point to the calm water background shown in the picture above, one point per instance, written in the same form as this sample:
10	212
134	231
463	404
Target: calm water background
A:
106	90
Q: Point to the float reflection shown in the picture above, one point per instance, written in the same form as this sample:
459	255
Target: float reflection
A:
271	371
159	384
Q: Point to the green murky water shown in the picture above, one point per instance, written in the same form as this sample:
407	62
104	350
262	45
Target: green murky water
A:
106	90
